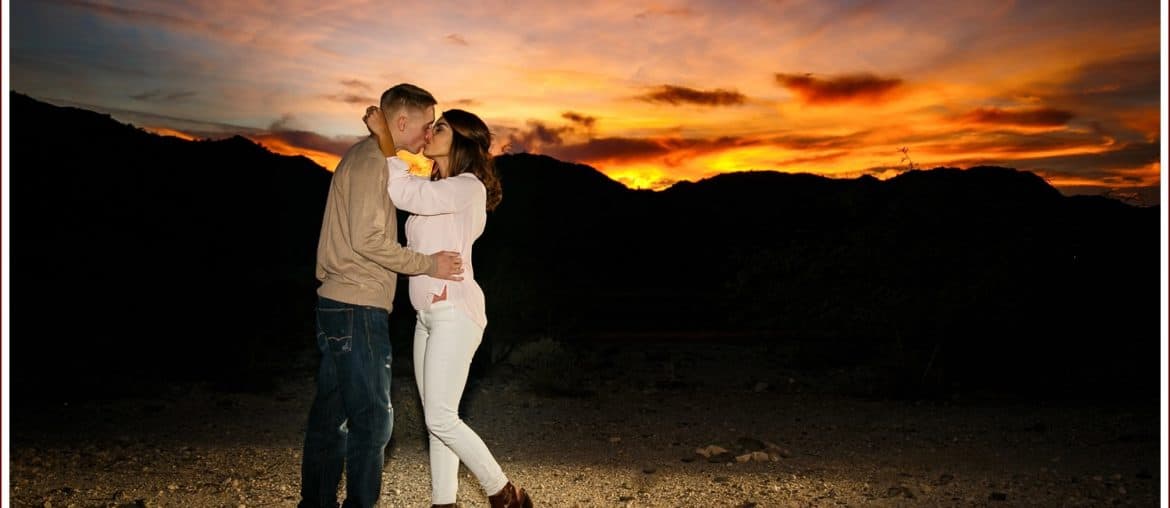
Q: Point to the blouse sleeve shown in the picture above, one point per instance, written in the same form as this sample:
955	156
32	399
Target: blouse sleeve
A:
422	196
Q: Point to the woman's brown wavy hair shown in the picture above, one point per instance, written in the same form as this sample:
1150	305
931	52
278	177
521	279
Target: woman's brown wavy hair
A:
470	142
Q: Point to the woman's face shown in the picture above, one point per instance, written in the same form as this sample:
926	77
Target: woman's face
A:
439	143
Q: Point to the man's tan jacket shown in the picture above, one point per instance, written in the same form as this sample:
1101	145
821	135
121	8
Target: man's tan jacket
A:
358	253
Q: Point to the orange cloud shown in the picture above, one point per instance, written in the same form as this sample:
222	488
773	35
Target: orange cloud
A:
666	151
1142	176
1102	163
356	83
813	142
847	88
611	149
1035	117
1003	142
1146	122
679	12
578	118
538	136
350	98
675	95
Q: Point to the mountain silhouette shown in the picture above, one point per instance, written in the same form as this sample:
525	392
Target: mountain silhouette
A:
140	259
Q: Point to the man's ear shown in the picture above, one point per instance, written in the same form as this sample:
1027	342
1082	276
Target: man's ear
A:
400	122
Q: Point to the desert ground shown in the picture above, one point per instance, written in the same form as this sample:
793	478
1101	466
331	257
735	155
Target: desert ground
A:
672	425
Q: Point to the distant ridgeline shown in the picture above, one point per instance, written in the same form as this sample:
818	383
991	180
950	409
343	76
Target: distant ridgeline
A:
211	245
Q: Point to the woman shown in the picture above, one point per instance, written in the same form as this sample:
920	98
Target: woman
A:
448	212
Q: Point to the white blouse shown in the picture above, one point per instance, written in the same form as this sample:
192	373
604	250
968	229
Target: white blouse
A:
446	214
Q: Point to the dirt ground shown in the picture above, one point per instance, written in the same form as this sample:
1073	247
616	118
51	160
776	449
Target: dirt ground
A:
673	427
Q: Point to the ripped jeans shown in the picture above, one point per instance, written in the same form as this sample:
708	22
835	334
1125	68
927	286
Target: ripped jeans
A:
351	418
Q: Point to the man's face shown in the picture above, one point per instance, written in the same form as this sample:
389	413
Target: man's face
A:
418	127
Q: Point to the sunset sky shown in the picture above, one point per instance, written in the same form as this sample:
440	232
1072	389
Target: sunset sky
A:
649	94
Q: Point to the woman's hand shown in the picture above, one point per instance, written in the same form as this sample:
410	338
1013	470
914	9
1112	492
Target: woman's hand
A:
376	124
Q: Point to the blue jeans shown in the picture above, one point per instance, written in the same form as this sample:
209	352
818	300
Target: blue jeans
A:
351	418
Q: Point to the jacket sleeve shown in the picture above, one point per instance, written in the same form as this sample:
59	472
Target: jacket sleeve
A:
421	196
368	213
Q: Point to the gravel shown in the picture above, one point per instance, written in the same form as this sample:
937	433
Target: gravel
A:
636	438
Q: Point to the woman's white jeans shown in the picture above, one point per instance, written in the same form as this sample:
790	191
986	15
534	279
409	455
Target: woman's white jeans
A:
445	340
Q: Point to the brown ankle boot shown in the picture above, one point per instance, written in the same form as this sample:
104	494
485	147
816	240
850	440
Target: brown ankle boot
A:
510	497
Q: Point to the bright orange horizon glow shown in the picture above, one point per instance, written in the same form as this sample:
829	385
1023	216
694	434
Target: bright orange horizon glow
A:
659	176
163	131
276	145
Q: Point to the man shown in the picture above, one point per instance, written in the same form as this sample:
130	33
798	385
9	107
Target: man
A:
358	262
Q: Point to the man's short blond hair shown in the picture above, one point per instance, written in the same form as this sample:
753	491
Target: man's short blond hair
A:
405	95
